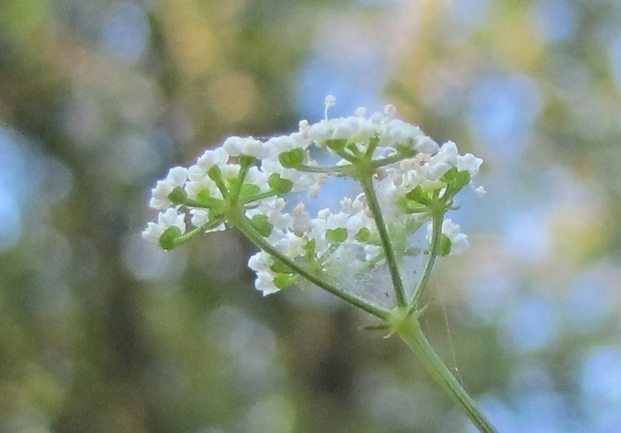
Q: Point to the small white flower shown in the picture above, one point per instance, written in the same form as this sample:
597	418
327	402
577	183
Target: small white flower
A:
480	191
346	258
195	187
230	171
302	181
250	146
285	143
357	222
200	217
257	177
398	132
152	233
273	209
345	129
321	131
390	110
165	220
301	222
265	283
459	240
337	221
435	169
304	127
291	245
176	177
171	218
211	158
448	153
426	144
260	262
354	129
470	163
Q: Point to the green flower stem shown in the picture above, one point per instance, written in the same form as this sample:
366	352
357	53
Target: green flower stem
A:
437	217
407	327
400	156
333	170
245	227
195	232
387	245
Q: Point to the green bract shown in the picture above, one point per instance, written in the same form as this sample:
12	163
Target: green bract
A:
292	159
168	238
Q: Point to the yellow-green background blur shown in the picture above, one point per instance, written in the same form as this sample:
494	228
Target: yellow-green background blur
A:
101	332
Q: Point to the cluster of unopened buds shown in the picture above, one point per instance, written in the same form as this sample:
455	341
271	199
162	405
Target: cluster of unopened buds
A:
406	181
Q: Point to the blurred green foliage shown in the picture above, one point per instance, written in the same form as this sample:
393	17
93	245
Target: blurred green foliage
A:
99	332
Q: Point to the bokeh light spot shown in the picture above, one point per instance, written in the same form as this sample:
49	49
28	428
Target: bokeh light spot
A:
16	183
554	19
531	325
126	31
600	376
471	12
615	60
503	111
233	96
590	300
149	262
525	237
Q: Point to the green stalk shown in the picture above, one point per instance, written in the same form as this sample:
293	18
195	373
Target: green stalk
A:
408	328
386	242
245	227
436	232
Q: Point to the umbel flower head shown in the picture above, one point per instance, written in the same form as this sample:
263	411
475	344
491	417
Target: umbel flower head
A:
407	181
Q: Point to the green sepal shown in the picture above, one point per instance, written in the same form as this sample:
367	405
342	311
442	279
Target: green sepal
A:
249	190
282	281
353	149
280	268
178	196
215	174
336	236
419	196
169	237
412	207
247	160
373	143
455	180
292	159
404	149
279	185
337	144
363	235
310	248
445	245
262	225
206	200
235	184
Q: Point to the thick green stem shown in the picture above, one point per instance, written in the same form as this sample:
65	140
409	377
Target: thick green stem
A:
387	243
244	226
408	328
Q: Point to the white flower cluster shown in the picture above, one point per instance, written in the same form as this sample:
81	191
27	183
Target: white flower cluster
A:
333	243
459	241
408	171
